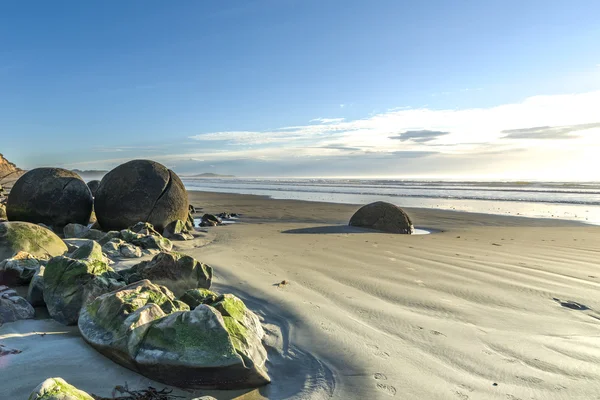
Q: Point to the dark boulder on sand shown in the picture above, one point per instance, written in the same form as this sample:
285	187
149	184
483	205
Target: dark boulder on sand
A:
52	196
140	190
384	217
93	185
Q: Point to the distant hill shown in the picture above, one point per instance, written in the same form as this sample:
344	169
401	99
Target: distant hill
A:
91	173
210	175
9	173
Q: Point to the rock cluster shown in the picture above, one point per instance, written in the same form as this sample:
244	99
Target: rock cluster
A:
13	307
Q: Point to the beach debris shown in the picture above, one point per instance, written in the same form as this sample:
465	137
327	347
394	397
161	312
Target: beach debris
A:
144	394
68	194
140	190
384	217
282	283
226	215
176	271
58	389
217	345
496	244
13	307
40	242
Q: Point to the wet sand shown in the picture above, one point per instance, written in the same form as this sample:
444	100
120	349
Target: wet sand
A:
488	307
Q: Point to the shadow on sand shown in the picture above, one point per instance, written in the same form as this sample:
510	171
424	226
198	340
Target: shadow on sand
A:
330	229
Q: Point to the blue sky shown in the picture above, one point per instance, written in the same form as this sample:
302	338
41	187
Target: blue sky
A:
303	87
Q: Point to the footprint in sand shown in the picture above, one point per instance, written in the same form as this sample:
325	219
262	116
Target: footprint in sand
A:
379	376
461	395
378	352
387	389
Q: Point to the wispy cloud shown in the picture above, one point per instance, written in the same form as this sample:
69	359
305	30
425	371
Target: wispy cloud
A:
422	136
548	132
327	120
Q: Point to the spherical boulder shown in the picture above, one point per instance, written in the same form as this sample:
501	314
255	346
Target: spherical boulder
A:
140	191
93	185
30	238
384	217
52	196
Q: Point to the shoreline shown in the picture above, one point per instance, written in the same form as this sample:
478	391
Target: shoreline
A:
430	217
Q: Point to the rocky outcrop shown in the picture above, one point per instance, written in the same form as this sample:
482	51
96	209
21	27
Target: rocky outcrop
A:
52	196
13	307
144	328
140	190
382	216
18	270
9	173
70	282
176	271
58	389
33	239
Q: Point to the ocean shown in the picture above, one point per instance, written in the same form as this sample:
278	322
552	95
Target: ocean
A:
563	200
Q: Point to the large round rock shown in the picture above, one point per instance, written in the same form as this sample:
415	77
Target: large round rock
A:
384	217
30	238
52	196
140	190
93	185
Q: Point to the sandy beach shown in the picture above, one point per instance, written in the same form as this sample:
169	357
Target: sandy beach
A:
485	307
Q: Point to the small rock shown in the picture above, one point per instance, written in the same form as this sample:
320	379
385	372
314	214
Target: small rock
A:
35	293
18	270
130	251
13	307
74	231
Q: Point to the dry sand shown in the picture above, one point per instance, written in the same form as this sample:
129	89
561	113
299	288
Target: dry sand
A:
488	308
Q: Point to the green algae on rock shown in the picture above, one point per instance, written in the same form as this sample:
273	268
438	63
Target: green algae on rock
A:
31	238
176	271
66	280
58	389
195	297
144	328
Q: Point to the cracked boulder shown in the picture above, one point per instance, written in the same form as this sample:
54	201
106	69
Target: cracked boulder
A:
33	239
140	190
52	196
144	328
382	216
176	271
70	282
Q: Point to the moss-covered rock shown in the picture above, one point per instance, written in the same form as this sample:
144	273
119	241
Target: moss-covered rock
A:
33	239
58	389
18	270
195	297
108	236
65	281
176	271
144	328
